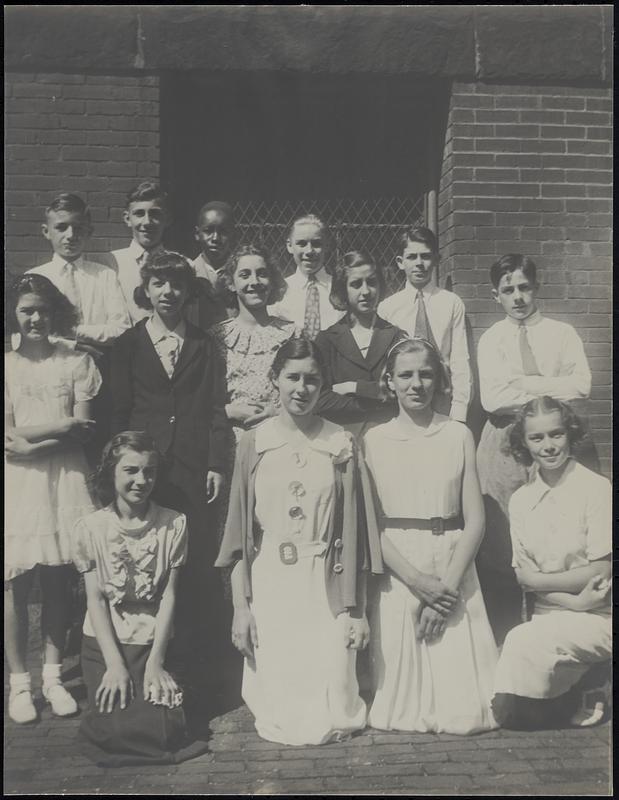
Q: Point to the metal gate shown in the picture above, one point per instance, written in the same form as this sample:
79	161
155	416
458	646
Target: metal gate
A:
373	225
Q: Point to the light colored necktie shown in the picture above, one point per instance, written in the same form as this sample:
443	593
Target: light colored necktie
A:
171	347
71	290
311	322
422	323
529	364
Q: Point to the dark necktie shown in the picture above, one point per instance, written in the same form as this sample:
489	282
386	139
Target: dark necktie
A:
422	323
311	322
529	364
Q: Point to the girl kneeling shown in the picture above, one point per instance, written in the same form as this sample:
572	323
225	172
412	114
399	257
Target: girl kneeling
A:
560	525
130	552
299	598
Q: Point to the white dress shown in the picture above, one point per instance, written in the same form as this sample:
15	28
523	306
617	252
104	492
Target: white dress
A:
301	687
555	529
443	685
46	495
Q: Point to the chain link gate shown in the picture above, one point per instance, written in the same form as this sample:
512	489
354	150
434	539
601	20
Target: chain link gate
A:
370	225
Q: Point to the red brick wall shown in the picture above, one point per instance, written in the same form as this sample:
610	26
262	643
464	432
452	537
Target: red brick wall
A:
95	135
529	169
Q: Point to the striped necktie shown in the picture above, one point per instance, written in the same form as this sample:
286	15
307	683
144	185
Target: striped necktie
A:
529	364
311	322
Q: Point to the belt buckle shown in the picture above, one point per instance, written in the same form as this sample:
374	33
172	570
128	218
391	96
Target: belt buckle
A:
437	525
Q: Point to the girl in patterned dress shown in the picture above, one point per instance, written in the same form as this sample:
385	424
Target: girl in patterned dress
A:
48	392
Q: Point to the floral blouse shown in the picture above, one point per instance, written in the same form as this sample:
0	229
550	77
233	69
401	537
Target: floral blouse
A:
133	565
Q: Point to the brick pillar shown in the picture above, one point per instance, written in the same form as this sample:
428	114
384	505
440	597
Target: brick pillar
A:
95	135
529	169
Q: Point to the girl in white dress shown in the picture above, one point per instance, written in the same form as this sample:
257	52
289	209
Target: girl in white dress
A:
300	529
48	391
560	525
432	651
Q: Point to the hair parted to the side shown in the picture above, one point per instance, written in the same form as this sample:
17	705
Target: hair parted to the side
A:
510	263
147	190
72	203
64	313
534	408
226	277
170	265
417	233
308	219
350	260
296	348
101	481
415	345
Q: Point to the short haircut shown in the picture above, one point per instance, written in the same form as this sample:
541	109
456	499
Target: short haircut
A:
415	345
64	313
308	219
534	408
217	205
226	279
417	233
350	260
293	349
72	203
101	481
170	265
510	263
147	190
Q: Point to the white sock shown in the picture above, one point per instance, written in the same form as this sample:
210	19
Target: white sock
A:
19	682
51	674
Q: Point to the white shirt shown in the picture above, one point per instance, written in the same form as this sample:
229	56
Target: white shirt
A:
446	315
292	305
168	344
205	270
100	302
560	357
129	261
556	528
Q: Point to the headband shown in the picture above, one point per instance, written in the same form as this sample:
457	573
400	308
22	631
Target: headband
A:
413	339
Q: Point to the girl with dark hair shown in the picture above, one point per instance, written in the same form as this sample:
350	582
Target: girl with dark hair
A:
429	617
48	391
299	534
354	349
560	526
130	552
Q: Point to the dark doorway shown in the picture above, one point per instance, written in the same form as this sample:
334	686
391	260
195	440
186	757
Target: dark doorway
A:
362	151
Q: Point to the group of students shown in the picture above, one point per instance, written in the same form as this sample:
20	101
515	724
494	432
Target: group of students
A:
289	460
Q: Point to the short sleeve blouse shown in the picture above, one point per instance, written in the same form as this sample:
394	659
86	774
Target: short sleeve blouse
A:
133	565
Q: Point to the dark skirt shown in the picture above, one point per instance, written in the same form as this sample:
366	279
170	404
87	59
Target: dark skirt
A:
142	733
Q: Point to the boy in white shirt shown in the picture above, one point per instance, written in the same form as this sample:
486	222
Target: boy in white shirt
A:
147	216
521	357
92	288
422	309
306	301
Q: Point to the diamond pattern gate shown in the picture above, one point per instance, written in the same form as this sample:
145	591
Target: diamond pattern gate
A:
371	225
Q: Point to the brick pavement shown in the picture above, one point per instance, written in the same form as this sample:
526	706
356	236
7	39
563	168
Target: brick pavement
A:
43	758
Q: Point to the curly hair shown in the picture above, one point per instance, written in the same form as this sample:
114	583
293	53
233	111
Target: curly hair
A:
443	381
64	314
296	348
339	291
226	278
170	265
534	408
101	481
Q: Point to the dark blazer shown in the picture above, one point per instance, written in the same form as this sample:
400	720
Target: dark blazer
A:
185	413
344	362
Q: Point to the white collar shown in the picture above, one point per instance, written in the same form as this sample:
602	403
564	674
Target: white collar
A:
537	488
428	290
529	322
157	331
59	261
394	429
137	251
331	438
301	280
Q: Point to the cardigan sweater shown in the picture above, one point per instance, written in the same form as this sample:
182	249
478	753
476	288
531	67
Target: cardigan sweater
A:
353	520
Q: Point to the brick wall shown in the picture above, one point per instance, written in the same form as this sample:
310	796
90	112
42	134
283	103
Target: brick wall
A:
529	169
95	135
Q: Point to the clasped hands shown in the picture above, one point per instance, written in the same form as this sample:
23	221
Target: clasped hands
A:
438	601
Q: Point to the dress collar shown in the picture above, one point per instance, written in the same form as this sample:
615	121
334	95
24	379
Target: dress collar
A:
137	251
301	280
395	429
59	261
253	340
330	438
157	331
538	488
529	322
427	291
